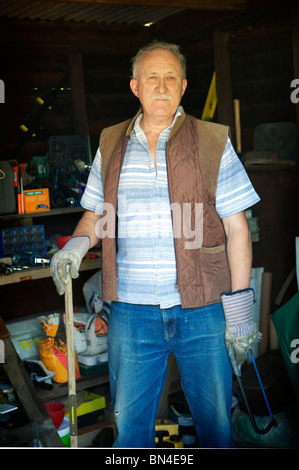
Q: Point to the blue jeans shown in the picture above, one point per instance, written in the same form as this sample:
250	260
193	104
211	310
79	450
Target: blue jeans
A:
140	339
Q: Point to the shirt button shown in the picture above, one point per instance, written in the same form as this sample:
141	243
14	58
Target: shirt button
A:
157	186
156	292
156	258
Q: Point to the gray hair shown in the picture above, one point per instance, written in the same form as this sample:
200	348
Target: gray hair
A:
173	48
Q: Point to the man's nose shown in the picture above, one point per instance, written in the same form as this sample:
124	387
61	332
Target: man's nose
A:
162	85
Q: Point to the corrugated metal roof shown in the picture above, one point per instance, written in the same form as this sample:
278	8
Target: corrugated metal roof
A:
83	12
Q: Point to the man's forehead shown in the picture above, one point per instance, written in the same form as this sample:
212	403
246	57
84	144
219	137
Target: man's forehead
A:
154	59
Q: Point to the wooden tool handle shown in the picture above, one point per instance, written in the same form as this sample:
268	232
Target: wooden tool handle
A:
238	126
71	367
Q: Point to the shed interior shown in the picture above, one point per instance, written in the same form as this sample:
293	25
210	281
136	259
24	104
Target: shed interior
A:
65	71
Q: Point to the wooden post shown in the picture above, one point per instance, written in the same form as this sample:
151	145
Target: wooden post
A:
71	368
223	81
78	94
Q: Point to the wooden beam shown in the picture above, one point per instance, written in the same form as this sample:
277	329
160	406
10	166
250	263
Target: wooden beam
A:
188	4
50	37
80	120
223	80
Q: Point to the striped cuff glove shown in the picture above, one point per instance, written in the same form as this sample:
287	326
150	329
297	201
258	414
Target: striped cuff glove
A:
70	255
241	331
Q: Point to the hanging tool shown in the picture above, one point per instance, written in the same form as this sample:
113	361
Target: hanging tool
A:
211	101
238	126
237	372
69	315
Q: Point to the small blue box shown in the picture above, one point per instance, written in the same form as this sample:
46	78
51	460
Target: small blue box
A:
19	240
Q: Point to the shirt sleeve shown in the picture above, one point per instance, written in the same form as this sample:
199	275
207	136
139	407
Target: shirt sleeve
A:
93	196
234	192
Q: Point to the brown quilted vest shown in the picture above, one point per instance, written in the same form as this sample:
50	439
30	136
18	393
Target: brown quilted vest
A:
193	153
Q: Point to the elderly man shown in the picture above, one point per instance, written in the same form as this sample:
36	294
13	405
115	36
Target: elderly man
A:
167	195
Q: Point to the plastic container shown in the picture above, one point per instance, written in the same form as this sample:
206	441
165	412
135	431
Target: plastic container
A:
64	432
56	412
20	240
61	241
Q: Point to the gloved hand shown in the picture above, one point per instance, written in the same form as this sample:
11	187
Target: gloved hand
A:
241	331
70	255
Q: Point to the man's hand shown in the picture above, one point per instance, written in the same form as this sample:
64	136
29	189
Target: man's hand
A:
70	255
241	331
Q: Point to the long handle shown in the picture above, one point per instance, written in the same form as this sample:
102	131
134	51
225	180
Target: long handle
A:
71	368
238	126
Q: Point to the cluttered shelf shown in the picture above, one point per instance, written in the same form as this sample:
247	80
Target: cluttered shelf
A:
41	273
99	377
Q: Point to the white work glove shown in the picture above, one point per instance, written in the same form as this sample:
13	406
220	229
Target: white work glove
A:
70	255
241	331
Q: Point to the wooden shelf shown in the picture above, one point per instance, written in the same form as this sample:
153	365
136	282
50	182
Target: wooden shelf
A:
33	215
269	167
83	383
41	273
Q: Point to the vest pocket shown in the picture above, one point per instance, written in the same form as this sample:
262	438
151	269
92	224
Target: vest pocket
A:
215	272
212	249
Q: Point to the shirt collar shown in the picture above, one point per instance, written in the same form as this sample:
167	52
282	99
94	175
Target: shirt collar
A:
137	129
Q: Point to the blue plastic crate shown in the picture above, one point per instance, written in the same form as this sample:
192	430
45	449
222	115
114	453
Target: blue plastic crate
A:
21	240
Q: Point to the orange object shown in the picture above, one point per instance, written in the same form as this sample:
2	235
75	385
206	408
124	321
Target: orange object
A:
36	200
53	353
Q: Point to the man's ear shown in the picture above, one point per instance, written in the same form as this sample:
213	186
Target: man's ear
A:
184	86
134	87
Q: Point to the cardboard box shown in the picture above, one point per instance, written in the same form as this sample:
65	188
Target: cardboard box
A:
36	200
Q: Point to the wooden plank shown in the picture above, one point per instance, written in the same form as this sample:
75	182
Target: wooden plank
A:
83	383
78	94
43	273
52	212
27	396
192	4
50	37
223	80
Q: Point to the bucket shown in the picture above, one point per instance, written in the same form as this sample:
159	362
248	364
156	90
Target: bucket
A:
64	432
61	241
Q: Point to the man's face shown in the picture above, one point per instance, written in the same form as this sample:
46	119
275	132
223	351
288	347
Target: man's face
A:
159	84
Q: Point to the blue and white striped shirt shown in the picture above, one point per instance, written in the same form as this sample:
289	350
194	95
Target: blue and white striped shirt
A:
146	262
